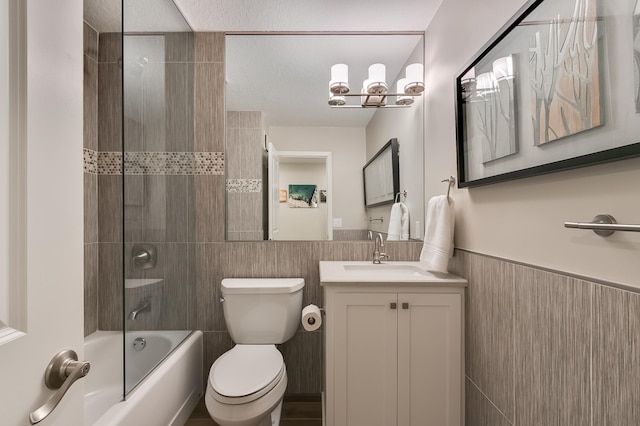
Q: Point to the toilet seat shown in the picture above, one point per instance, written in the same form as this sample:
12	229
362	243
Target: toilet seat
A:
246	373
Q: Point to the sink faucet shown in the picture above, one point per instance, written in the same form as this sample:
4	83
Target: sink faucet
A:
143	306
378	254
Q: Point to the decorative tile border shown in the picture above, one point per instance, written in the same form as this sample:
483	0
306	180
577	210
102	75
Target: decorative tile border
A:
244	185
158	163
90	161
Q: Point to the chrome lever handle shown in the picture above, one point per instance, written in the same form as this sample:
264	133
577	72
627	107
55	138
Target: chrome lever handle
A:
63	370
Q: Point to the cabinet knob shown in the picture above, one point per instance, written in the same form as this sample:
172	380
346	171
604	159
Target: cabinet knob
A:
393	305
405	305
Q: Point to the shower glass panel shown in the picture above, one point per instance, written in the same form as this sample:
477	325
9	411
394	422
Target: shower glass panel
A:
157	158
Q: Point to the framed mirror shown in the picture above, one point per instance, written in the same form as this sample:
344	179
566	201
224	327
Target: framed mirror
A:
382	176
277	92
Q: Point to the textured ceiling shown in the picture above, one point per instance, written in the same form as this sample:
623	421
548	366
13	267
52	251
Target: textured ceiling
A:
308	15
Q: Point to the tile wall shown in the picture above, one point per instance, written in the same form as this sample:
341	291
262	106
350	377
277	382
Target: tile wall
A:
244	185
544	348
90	180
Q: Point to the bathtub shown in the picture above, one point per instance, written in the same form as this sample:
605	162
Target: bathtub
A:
165	397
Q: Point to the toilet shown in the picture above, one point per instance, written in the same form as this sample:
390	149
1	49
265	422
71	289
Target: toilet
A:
246	384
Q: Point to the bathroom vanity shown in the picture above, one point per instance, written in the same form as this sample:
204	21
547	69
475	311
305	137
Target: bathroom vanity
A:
393	345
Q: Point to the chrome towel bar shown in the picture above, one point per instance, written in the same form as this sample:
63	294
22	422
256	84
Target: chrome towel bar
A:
603	225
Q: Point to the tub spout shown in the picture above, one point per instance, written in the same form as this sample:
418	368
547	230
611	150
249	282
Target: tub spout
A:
144	306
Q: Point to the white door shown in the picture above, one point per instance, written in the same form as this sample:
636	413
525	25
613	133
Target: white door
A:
274	191
46	304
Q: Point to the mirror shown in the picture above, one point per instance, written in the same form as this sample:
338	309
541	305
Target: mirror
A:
277	93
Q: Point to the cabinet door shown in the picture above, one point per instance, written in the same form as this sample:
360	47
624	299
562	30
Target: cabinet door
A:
365	360
429	359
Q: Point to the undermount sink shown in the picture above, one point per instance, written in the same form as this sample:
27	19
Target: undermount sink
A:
386	268
407	273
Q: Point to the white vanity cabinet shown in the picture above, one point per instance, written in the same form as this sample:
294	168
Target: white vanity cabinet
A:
394	353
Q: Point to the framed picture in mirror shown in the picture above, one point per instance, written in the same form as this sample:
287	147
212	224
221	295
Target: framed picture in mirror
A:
381	175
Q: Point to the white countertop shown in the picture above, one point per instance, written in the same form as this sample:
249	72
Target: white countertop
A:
406	273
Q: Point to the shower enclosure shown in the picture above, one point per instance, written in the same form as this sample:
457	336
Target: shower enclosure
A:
158	165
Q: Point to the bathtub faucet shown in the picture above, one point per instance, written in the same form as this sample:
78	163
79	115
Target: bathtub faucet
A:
143	306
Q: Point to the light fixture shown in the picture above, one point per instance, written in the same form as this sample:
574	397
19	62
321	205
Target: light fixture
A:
414	84
339	83
377	77
336	100
403	99
375	91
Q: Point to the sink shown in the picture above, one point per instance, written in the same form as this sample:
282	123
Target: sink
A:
390	272
385	268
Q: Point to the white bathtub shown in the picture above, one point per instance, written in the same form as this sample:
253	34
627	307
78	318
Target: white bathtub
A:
165	397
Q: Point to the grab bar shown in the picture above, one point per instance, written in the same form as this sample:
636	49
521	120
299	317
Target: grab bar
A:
603	225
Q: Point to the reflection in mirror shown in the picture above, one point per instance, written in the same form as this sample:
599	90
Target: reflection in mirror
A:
277	92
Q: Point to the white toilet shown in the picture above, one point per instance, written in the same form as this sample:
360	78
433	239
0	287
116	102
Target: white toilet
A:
246	384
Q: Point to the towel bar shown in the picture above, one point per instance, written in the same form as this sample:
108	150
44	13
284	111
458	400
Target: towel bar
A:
603	225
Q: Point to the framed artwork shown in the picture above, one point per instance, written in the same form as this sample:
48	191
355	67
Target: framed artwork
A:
303	196
283	196
538	97
323	195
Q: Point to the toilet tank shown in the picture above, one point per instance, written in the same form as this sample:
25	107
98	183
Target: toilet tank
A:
262	310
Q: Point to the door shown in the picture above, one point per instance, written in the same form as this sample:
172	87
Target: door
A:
365	360
274	191
429	359
46	300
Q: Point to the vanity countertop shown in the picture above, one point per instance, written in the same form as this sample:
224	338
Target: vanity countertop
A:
405	273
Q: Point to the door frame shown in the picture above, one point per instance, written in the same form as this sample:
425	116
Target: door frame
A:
317	155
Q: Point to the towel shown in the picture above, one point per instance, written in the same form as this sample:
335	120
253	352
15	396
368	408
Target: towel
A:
398	223
438	234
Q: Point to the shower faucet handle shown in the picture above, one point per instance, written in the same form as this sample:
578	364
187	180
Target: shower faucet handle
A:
63	371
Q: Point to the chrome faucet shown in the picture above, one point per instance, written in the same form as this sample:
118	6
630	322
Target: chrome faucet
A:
378	254
143	306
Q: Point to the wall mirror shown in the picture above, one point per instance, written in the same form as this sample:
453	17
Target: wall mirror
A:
277	93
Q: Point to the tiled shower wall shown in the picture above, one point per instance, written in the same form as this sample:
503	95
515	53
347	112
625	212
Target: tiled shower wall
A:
543	348
90	180
244	155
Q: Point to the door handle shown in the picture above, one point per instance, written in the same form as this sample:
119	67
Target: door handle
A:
63	370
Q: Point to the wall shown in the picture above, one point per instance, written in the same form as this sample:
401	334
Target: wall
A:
243	166
407	126
544	348
307	224
347	146
523	220
548	338
90	93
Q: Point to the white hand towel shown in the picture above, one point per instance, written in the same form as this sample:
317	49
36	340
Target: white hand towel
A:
398	223
438	234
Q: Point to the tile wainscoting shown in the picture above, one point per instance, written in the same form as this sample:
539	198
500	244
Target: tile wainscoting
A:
544	348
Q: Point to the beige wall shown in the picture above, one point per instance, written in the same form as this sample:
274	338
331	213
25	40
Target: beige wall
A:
407	126
347	147
522	220
302	223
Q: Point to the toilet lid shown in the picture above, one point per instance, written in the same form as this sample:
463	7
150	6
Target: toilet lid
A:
246	369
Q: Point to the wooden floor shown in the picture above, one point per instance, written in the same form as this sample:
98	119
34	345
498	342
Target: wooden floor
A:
296	411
